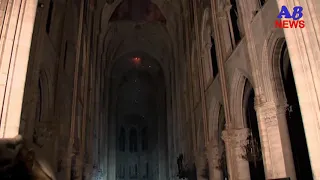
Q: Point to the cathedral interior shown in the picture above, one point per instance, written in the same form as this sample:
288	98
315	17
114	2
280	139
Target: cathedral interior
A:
158	90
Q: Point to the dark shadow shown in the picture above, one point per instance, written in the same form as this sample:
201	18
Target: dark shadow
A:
138	10
234	14
254	155
294	120
214	60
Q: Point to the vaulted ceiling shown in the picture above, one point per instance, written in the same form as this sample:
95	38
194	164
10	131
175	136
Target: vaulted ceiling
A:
135	46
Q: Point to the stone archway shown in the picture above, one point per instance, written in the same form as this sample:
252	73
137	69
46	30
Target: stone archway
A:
271	108
238	82
236	133
274	109
270	70
285	85
253	150
138	98
243	130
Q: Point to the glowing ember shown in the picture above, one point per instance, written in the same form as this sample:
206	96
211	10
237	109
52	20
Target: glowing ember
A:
136	60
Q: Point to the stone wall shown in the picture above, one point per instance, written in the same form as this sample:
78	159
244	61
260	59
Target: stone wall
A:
56	62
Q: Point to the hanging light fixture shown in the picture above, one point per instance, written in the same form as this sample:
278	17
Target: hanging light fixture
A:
252	150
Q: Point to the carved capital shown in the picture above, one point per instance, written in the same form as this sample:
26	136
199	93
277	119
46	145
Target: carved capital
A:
268	112
271	107
236	137
259	99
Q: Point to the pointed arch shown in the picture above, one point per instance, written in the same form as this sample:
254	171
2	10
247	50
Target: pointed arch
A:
208	54
44	96
237	89
273	86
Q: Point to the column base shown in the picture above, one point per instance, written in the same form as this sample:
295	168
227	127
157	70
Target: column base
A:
236	140
19	162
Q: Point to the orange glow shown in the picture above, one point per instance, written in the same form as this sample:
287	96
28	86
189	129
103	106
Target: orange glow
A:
136	60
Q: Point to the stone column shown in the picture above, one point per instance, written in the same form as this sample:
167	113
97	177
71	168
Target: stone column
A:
15	42
213	157
201	162
236	139
225	36
275	141
304	50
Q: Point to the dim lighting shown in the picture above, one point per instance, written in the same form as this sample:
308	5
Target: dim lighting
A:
252	150
136	60
41	5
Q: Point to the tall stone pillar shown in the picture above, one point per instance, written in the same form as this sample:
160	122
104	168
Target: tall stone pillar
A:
213	157
235	140
15	41
201	163
304	50
275	141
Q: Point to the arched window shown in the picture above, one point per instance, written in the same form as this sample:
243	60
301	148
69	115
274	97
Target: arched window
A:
214	58
144	139
133	140
133	171
146	171
122	140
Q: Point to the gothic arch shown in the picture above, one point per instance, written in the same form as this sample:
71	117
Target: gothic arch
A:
107	11
109	8
44	95
273	86
206	32
236	98
110	56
